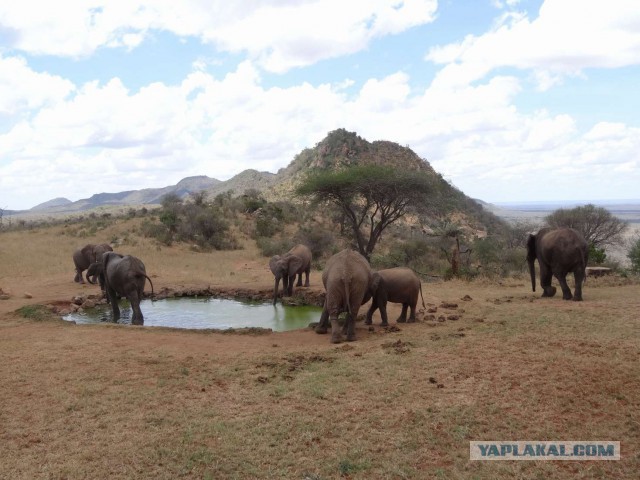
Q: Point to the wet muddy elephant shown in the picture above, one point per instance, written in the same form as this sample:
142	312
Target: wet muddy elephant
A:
285	267
85	256
349	283
559	251
123	276
400	285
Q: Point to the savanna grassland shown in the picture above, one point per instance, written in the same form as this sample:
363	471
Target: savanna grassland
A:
123	402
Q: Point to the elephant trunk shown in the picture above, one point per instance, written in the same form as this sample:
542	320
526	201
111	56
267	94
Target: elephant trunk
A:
532	271
275	290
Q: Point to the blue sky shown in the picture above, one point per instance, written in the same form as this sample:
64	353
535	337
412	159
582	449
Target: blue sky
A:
511	100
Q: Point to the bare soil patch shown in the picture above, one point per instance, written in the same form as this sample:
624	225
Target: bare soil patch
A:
113	401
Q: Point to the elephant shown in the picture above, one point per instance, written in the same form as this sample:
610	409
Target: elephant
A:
401	285
559	251
349	283
85	256
286	267
123	276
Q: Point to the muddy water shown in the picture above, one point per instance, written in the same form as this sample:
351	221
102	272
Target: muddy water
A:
200	313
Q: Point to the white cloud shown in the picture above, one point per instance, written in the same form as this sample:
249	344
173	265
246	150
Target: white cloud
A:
566	38
105	137
277	35
21	88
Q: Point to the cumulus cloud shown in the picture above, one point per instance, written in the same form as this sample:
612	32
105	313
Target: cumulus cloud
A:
21	88
103	136
564	39
277	35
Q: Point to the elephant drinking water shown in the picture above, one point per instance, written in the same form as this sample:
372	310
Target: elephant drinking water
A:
350	283
287	266
123	276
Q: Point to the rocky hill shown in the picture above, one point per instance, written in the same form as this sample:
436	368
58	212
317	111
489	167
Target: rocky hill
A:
339	149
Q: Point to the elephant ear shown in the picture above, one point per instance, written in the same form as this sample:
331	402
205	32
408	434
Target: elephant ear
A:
377	288
273	264
295	264
531	247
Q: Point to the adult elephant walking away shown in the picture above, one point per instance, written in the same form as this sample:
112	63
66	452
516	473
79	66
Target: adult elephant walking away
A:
349	283
559	252
285	267
85	256
124	276
400	285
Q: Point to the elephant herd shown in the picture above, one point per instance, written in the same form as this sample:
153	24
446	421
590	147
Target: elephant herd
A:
348	279
118	275
350	282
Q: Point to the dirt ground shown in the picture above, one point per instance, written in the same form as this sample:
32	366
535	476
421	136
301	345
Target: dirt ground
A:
495	362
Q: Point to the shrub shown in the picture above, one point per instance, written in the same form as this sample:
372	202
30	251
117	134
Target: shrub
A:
634	255
597	255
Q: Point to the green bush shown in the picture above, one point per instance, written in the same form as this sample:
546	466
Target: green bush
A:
596	255
634	255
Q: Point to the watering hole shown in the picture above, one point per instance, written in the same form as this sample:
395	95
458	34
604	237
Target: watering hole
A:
202	313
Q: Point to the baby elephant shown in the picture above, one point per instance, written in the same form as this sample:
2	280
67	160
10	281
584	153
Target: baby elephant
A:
123	276
85	256
295	262
399	285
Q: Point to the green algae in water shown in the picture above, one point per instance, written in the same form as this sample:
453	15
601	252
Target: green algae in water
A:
203	313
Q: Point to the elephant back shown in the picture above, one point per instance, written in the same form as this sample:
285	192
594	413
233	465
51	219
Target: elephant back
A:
303	252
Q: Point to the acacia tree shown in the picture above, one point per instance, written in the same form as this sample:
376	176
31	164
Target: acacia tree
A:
598	226
371	197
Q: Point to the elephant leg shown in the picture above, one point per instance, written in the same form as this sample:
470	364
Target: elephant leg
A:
299	284
566	291
383	314
113	300
412	313
545	281
351	320
306	273
336	334
136	318
323	324
78	277
370	312
403	315
285	286
578	275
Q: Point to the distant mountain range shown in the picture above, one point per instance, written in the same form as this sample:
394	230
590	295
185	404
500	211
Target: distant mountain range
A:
339	149
153	196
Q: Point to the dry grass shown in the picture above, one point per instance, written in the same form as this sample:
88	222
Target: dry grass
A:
126	402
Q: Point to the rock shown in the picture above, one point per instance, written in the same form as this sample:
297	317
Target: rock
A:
453	317
432	310
77	300
64	311
27	295
4	296
466	298
89	304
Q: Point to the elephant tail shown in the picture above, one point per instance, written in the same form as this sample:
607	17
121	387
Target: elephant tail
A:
421	297
150	282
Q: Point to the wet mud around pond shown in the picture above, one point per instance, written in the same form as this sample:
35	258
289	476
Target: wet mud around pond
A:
206	313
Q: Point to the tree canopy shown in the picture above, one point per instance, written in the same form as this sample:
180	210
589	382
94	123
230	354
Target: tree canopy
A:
371	197
598	225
